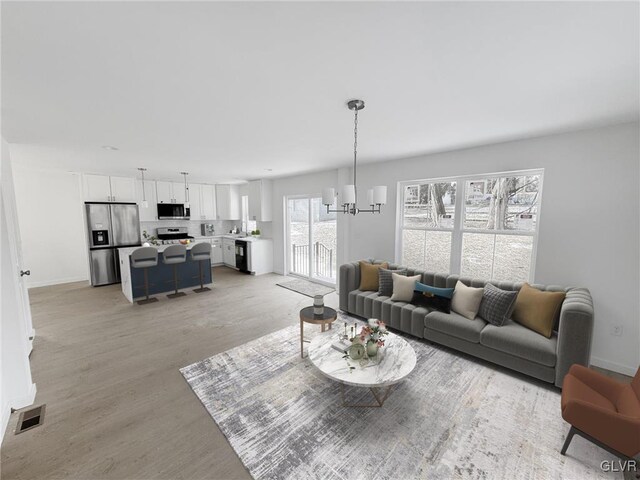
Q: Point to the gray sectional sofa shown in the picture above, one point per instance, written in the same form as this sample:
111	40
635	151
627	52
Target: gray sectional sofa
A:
510	345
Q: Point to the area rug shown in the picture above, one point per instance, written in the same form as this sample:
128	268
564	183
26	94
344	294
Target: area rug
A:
453	417
306	287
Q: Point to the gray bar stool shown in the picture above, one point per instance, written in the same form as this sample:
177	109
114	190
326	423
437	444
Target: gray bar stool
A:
173	255
201	252
145	258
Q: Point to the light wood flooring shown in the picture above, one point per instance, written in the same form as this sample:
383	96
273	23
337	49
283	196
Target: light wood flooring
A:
117	406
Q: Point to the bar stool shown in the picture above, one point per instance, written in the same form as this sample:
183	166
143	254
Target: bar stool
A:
174	255
201	252
145	258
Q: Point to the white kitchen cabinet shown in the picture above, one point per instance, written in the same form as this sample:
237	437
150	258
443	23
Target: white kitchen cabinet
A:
164	192
216	252
228	202
179	194
97	188
260	195
229	252
207	202
123	189
150	212
103	188
194	202
170	192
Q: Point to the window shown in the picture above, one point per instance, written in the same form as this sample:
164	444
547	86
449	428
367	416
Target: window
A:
247	225
482	226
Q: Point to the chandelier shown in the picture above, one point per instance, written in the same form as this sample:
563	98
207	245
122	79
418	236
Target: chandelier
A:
376	196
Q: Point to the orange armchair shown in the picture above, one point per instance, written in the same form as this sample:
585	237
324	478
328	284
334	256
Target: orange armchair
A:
603	411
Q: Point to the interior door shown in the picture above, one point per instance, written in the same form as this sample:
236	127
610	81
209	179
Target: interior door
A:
15	244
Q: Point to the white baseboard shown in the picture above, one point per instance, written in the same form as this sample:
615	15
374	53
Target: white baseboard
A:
613	366
57	281
16	404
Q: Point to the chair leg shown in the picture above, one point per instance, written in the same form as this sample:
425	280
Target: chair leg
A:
176	294
202	287
570	435
146	290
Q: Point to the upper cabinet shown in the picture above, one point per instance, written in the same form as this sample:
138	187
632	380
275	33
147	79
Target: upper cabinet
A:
123	189
207	203
150	212
103	188
260	195
170	192
228	202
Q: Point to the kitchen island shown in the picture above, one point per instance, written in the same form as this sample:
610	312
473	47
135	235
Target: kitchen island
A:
161	276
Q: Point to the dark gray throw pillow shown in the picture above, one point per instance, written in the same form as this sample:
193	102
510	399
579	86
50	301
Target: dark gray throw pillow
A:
385	280
497	304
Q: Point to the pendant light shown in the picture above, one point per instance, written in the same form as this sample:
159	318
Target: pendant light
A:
144	203
376	196
186	189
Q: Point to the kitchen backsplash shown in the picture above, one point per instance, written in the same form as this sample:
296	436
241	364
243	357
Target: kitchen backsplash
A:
220	226
193	226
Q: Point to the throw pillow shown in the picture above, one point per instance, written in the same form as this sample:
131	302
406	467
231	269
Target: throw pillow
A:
385	280
466	300
497	304
403	287
369	275
432	297
537	310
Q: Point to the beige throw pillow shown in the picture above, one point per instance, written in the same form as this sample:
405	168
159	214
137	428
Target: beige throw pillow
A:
369	275
403	287
466	300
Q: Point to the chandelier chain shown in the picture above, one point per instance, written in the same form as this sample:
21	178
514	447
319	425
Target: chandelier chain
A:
355	149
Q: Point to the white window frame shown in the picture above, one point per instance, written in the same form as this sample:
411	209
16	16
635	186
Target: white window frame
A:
460	208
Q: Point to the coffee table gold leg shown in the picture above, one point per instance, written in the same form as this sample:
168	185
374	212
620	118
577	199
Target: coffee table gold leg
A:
322	327
301	338
380	400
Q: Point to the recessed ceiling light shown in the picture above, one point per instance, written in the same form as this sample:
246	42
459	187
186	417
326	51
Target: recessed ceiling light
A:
109	147
269	169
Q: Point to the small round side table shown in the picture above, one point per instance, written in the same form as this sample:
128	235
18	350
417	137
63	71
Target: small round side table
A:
328	316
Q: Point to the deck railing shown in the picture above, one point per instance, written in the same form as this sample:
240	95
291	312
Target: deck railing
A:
322	260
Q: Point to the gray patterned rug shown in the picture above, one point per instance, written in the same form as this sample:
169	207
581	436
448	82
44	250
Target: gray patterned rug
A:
305	287
453	417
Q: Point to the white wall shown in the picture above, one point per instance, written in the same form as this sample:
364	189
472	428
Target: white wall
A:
584	239
52	225
16	387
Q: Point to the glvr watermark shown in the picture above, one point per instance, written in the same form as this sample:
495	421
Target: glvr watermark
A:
620	465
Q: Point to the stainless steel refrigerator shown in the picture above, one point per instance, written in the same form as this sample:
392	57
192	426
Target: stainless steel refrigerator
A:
110	226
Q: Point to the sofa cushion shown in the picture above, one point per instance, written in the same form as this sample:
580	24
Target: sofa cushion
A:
497	304
466	300
455	325
403	287
369	275
521	342
385	281
538	310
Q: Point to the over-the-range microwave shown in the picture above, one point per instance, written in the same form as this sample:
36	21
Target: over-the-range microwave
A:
173	211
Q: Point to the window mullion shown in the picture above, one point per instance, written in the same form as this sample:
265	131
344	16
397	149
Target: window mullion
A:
456	237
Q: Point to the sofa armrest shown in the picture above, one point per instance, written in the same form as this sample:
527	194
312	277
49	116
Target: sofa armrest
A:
574	332
349	281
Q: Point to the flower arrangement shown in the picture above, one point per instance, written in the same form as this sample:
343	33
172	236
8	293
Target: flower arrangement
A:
150	239
373	333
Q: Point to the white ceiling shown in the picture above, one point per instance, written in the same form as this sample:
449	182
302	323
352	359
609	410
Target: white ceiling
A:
228	90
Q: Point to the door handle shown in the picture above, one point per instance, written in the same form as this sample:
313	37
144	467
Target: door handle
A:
25	272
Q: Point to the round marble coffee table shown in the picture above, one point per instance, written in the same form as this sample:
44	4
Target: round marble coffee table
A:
394	362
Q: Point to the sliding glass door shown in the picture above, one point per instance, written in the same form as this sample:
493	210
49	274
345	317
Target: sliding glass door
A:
311	239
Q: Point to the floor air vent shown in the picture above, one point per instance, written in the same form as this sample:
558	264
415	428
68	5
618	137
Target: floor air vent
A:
30	418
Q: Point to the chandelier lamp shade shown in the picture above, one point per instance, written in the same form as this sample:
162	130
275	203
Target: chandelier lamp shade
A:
348	198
